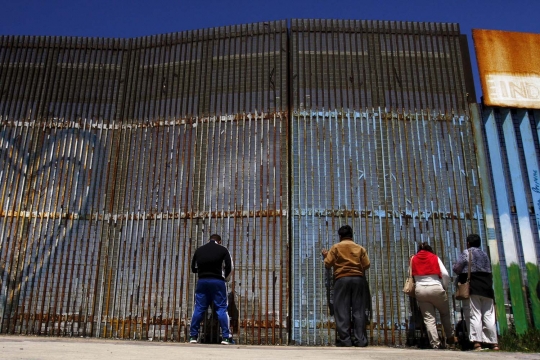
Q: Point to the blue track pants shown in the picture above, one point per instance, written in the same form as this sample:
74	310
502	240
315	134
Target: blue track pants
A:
210	290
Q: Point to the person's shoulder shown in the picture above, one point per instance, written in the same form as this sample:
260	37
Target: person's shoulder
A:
355	247
479	250
205	246
335	246
359	246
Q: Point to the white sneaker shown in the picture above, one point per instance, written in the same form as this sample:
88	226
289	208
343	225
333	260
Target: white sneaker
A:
228	341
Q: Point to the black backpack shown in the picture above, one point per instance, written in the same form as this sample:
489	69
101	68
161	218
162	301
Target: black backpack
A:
462	333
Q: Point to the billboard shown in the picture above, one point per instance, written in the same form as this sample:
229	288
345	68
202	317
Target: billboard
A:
509	68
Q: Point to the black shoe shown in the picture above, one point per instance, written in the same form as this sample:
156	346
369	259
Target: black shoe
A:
343	344
359	344
193	339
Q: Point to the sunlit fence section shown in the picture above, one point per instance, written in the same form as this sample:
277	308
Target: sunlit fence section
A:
399	179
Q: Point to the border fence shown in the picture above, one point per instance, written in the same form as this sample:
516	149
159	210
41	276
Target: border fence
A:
120	156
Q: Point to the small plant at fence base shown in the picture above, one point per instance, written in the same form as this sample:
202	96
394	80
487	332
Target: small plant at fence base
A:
527	342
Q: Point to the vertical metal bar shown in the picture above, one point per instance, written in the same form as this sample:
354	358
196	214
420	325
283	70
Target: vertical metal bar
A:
133	96
116	213
19	269
31	203
78	197
56	186
88	204
508	239
151	180
85	139
261	228
119	217
249	289
41	193
186	253
66	209
140	215
146	47
134	246
521	208
19	167
109	205
241	308
129	69
398	207
274	230
103	208
62	175
533	171
235	197
478	123
168	198
161	183
174	188
6	196
370	225
185	137
391	246
265	258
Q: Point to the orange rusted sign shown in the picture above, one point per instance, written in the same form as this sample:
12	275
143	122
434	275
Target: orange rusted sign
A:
509	67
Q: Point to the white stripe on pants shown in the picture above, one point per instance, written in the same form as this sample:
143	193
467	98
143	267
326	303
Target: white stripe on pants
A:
481	314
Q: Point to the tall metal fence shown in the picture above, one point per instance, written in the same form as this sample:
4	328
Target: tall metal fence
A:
381	139
120	156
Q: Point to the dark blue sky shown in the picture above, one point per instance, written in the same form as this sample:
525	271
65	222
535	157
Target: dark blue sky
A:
123	18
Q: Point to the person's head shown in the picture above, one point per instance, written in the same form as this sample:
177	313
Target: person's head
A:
345	232
216	238
425	246
473	240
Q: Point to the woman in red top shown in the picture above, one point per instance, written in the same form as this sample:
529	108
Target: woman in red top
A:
432	279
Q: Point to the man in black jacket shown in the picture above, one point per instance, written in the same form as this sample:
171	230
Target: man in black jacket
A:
213	263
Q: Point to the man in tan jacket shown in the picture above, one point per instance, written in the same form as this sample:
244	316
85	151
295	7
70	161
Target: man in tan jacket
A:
349	261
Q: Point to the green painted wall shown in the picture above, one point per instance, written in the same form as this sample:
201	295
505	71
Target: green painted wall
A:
532	278
517	298
500	309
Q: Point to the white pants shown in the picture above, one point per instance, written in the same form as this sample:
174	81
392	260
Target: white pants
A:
429	298
481	314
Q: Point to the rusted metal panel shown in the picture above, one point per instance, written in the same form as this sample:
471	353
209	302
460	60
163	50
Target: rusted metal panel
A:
120	157
379	131
509	67
398	179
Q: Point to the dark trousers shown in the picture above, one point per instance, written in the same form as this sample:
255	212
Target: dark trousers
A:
349	297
